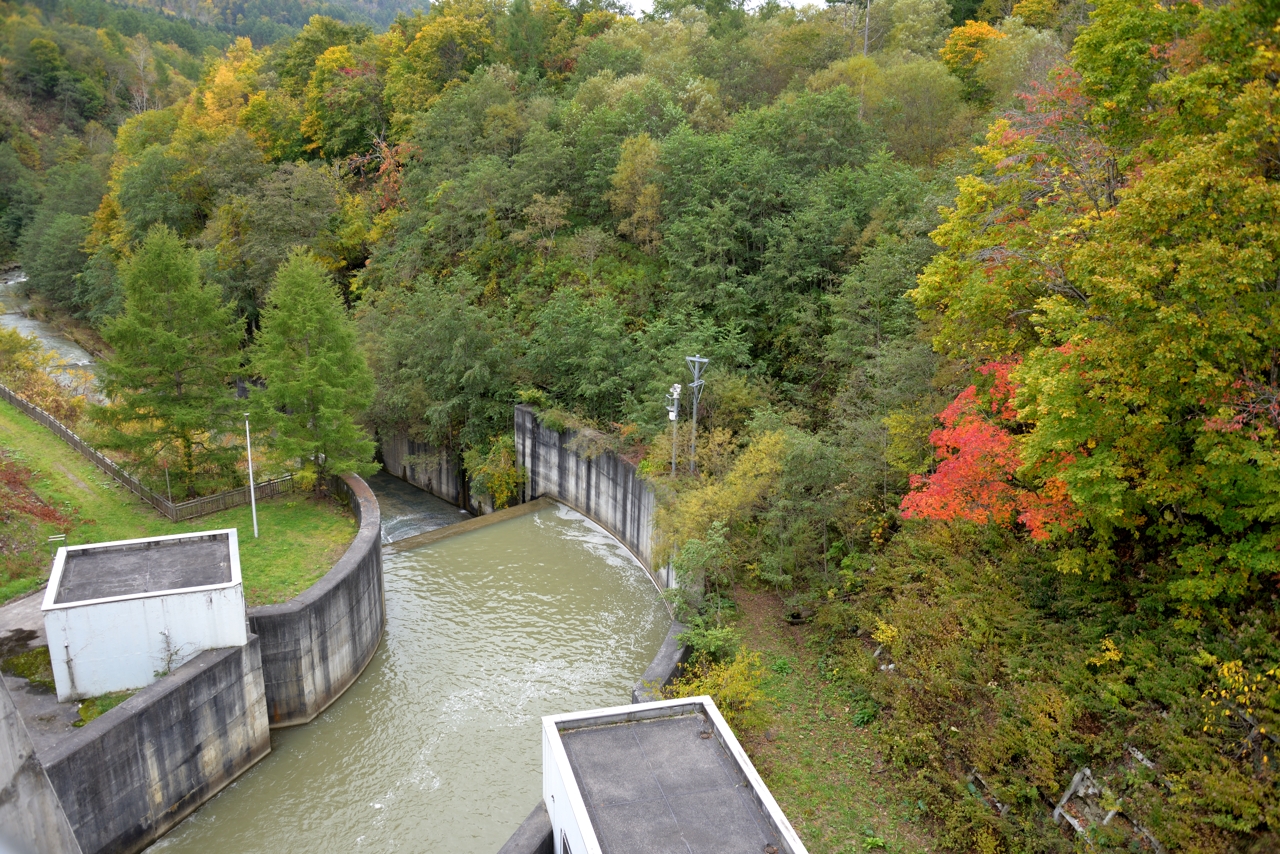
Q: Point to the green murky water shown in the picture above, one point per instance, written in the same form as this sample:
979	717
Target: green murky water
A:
437	746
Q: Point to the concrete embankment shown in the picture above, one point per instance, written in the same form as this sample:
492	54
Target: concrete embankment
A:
146	764
31	816
316	644
127	777
605	488
430	469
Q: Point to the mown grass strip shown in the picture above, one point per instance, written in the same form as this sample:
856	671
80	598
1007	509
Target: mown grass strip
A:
816	753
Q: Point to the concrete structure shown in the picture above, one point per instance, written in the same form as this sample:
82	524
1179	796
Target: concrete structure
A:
664	668
129	776
31	816
654	778
424	466
316	644
119	615
605	488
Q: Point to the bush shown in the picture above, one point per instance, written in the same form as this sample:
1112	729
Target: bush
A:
708	641
998	678
733	684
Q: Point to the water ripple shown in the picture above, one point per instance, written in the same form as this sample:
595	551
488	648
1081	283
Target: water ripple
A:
438	742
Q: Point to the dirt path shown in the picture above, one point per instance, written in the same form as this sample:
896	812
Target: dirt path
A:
822	768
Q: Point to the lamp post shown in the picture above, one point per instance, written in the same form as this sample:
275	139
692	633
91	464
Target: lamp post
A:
253	499
673	413
697	364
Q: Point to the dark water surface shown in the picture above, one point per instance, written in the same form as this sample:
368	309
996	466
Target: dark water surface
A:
437	747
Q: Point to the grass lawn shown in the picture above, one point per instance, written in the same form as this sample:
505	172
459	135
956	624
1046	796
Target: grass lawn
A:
299	538
816	760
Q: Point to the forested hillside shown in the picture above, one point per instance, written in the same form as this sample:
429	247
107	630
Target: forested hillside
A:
988	293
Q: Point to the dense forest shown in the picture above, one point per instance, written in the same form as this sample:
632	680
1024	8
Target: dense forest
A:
988	293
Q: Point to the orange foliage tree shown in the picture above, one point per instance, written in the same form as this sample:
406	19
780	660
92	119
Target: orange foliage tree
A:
977	478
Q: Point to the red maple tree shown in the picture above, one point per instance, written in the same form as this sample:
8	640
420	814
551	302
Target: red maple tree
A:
977	474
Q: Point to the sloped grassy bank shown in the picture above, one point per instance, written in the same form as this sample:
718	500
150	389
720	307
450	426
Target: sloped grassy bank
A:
300	537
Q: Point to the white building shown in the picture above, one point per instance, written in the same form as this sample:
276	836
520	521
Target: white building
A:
120	615
652	778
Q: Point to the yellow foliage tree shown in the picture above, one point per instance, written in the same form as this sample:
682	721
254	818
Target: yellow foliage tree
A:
966	50
448	47
1036	13
635	197
233	81
26	369
730	499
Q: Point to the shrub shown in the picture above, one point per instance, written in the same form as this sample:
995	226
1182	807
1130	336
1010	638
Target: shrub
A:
733	684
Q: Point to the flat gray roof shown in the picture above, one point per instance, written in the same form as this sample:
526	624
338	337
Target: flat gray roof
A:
656	786
144	566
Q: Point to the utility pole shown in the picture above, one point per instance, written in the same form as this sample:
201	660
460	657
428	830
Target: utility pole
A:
253	499
673	414
697	364
866	30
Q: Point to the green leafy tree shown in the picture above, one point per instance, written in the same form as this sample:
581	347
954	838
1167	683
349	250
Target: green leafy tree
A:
50	248
252	231
300	54
443	369
315	379
169	378
343	103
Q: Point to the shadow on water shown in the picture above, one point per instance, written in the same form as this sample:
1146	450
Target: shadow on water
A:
437	745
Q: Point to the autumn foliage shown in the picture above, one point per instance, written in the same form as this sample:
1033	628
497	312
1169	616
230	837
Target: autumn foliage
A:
21	513
977	474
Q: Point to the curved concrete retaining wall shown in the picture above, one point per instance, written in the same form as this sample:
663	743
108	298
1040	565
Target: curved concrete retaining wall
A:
129	776
605	488
316	644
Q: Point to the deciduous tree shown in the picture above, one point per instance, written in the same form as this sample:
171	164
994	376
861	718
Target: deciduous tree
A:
315	381
169	379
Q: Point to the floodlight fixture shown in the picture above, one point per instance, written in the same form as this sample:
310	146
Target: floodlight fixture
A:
673	415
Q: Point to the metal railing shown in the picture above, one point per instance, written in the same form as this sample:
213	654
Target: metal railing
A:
176	511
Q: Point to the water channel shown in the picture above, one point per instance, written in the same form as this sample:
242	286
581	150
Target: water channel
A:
438	743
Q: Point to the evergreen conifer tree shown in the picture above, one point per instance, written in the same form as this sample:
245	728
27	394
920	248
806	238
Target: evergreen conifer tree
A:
316	379
169	380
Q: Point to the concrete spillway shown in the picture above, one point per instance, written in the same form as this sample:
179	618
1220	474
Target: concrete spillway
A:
437	744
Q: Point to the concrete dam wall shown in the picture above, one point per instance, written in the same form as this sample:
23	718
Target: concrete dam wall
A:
316	644
605	488
430	469
146	764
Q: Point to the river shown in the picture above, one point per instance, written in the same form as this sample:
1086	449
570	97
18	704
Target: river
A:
14	316
437	746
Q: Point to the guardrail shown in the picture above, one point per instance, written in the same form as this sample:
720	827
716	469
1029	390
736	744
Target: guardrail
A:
175	511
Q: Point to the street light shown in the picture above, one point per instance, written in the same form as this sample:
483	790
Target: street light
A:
697	364
253	499
673	413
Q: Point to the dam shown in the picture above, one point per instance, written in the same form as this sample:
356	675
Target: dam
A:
438	741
